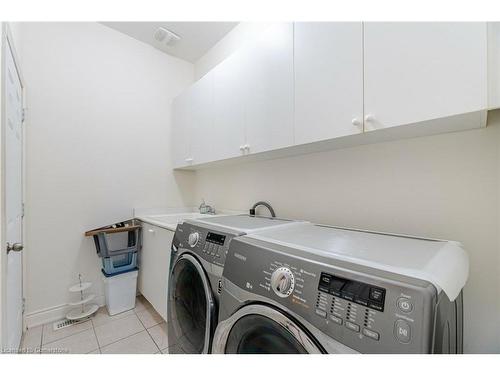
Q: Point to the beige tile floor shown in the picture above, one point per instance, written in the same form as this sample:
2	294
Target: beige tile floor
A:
138	331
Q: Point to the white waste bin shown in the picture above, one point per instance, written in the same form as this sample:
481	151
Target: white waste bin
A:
120	291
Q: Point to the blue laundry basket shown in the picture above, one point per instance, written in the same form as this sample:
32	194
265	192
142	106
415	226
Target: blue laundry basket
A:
120	263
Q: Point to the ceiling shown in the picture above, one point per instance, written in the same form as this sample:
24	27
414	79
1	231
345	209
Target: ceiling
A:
196	37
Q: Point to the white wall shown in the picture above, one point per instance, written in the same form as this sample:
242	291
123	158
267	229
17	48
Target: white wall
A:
241	33
90	88
444	186
97	146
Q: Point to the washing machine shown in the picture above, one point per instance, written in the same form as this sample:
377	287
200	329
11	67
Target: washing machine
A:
320	289
199	249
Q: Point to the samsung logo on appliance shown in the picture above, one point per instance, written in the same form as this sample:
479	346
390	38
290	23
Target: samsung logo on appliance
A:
240	257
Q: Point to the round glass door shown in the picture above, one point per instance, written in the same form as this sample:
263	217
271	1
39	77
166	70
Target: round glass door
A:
192	306
259	329
256	334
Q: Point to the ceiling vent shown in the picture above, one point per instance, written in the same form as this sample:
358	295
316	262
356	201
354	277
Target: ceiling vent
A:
166	36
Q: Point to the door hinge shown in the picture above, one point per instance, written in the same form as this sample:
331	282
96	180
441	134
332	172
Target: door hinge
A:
23	114
22	210
24	305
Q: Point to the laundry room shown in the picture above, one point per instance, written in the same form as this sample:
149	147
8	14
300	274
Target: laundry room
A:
203	184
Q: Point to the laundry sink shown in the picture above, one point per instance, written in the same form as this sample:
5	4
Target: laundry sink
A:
170	221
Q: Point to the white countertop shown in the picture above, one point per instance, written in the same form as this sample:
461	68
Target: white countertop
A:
445	264
170	221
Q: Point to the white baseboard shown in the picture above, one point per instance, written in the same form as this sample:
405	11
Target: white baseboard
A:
53	314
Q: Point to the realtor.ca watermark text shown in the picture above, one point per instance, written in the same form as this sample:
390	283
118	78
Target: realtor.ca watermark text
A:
35	351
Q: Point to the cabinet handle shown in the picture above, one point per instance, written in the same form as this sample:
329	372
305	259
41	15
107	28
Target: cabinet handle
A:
355	121
369	118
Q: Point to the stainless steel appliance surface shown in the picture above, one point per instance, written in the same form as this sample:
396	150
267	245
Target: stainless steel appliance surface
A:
318	289
198	256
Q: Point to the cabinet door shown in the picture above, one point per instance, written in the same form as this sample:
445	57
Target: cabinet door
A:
154	266
328	61
267	78
179	141
202	126
228	136
423	71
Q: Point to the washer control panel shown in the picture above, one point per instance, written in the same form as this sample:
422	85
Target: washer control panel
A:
209	244
214	245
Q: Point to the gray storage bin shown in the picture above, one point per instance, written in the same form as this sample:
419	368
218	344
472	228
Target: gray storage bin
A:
120	238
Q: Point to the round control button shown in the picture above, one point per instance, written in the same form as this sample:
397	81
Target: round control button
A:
283	282
405	305
193	239
402	331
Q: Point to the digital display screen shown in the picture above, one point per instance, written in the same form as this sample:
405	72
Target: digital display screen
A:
216	238
350	290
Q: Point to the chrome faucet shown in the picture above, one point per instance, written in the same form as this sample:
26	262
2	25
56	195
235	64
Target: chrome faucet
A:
262	203
206	209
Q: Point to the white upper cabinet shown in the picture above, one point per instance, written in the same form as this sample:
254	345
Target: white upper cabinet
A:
422	71
201	105
192	122
228	137
179	138
328	59
302	83
267	78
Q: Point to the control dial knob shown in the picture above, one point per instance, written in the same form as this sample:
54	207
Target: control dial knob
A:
282	282
193	239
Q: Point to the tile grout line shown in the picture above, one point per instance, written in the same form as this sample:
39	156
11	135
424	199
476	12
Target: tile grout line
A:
114	342
95	334
123	338
76	333
117	341
154	342
164	322
165	348
41	338
61	338
133	334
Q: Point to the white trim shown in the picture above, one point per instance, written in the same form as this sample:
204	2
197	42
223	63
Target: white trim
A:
15	55
455	123
54	313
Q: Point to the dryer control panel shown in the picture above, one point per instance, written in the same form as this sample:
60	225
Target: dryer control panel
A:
367	310
354	291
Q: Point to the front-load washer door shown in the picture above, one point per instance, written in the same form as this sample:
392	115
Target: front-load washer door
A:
260	329
192	312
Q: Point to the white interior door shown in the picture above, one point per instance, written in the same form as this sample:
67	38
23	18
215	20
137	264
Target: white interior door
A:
13	200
